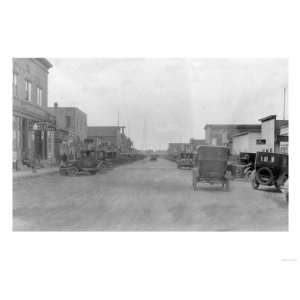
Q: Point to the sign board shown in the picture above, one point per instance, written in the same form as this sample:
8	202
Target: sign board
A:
260	142
41	125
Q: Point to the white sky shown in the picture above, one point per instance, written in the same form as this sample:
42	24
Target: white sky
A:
169	100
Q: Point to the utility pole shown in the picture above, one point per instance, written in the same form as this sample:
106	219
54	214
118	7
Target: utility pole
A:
284	104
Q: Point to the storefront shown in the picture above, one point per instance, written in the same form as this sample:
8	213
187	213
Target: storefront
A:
33	138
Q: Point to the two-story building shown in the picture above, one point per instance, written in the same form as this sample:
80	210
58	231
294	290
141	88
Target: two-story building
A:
33	135
71	125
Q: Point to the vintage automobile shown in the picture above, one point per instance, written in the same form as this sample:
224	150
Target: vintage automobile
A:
270	169
248	159
153	157
211	166
185	160
87	163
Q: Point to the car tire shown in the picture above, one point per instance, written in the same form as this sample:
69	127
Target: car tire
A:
72	171
258	176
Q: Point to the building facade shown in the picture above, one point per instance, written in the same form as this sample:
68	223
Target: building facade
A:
33	125
270	133
71	124
108	138
222	134
176	148
284	143
246	142
195	143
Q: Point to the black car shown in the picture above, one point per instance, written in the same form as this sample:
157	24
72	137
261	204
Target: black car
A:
87	163
271	169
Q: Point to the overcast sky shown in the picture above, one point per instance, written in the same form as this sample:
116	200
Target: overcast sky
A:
169	100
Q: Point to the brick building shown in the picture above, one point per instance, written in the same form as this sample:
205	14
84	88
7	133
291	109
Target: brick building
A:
71	124
30	100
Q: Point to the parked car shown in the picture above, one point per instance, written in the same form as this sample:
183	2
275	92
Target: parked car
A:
153	157
248	159
87	163
211	166
185	160
270	169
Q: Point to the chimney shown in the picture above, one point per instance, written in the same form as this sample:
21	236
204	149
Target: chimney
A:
55	104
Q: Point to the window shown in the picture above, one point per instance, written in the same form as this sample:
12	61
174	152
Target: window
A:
27	90
39	96
15	84
68	121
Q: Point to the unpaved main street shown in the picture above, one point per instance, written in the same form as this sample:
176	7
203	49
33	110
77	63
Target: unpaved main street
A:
143	195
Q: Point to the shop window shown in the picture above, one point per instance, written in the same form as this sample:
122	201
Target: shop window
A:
28	90
39	96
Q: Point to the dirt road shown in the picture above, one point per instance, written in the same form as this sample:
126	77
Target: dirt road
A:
143	196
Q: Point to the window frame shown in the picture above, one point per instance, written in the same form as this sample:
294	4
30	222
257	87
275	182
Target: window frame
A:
39	96
28	90
15	84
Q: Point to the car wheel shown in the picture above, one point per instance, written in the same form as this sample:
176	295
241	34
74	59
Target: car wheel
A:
72	171
264	176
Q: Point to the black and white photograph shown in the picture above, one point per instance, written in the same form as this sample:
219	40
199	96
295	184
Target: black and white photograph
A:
150	144
149	150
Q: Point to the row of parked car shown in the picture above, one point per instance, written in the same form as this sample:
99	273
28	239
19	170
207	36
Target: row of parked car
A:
91	162
213	164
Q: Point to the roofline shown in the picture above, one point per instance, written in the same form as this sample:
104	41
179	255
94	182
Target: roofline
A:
64	107
45	62
244	133
231	125
267	118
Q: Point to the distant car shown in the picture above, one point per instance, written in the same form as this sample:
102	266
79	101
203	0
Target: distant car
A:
185	160
270	169
153	157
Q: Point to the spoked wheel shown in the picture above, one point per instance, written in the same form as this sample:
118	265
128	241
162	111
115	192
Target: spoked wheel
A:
72	171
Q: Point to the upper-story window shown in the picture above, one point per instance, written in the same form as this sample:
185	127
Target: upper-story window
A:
15	84
68	121
28	90
39	96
